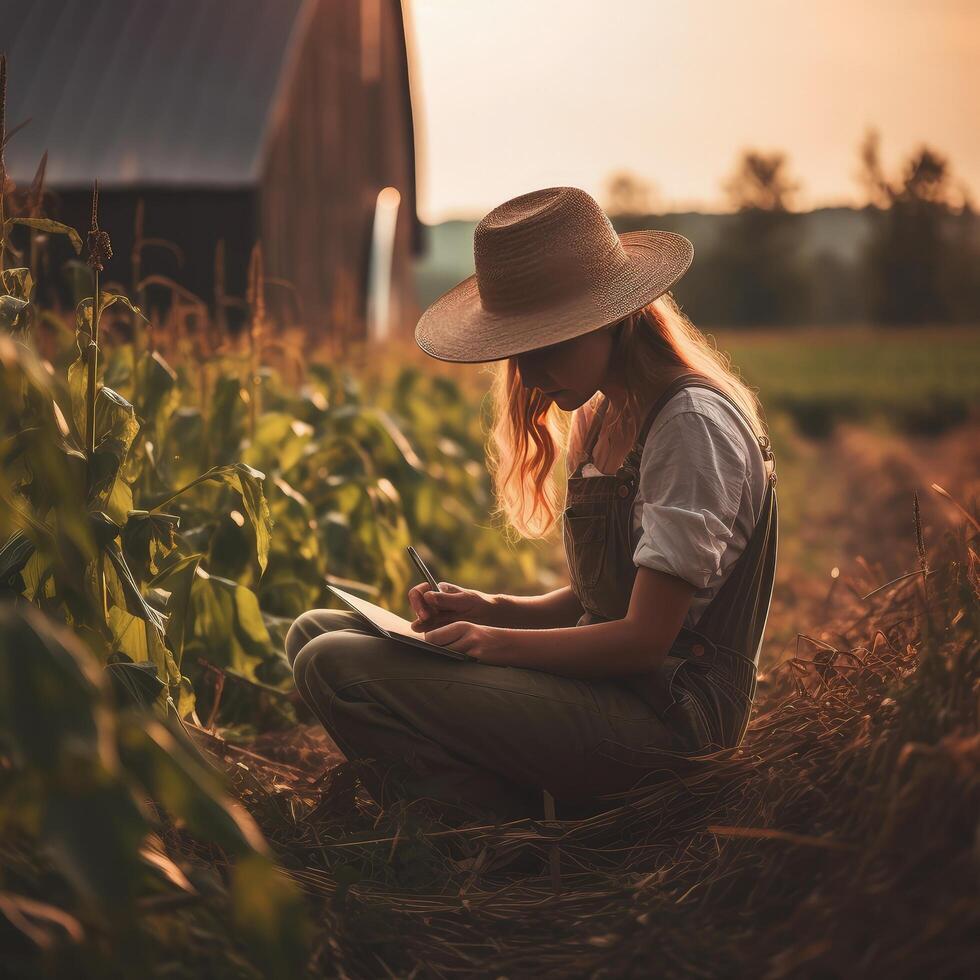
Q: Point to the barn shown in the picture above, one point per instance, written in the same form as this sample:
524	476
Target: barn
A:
284	121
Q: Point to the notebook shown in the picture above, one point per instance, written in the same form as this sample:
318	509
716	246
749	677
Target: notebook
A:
386	623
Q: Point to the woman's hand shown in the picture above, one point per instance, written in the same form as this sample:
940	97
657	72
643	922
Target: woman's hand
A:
434	609
488	644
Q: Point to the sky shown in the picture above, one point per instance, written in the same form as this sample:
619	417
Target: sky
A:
513	95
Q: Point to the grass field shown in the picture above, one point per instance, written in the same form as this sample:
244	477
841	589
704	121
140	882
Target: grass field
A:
857	772
915	380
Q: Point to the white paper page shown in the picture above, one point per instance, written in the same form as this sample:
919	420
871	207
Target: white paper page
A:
395	626
384	618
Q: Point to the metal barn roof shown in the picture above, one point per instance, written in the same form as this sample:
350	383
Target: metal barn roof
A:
145	91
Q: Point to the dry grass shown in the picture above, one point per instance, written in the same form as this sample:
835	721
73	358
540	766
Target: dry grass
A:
838	839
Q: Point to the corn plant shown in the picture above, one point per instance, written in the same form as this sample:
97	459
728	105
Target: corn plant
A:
133	579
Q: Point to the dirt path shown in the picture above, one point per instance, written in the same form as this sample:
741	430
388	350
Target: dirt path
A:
847	503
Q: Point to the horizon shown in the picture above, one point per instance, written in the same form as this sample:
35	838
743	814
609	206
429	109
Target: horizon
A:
474	218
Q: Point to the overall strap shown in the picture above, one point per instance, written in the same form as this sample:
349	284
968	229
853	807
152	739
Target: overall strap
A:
682	381
739	610
592	435
633	456
691	380
688	379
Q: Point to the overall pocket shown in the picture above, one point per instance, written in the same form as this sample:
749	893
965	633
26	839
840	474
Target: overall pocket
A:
675	687
585	543
682	731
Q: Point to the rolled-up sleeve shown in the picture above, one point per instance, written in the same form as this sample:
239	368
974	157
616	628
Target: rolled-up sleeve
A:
691	479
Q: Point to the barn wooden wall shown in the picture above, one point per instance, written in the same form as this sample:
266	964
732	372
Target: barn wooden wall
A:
193	218
343	130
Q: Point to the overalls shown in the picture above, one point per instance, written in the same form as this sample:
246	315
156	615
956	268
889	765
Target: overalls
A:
473	739
706	685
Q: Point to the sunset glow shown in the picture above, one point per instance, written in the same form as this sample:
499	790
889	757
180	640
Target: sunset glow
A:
512	95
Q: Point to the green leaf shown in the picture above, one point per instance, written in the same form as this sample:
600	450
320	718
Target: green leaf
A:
77	385
280	440
119	369
116	428
155	393
47	673
14	554
187	789
93	828
226	619
400	440
184	698
78	369
376	432
147	538
120	500
11	310
115	417
54	227
142	643
104	529
270	917
180	446
179	578
136	683
294	519
108	299
227	418
18	283
83	311
128	595
37	577
248	483
103	473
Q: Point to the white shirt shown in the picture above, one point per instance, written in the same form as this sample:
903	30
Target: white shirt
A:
701	485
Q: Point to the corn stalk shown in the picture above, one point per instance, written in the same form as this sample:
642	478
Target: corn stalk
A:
256	331
99	252
3	165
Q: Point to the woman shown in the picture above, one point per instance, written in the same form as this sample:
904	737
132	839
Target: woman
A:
649	655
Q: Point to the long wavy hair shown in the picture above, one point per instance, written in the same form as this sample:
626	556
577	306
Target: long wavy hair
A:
529	430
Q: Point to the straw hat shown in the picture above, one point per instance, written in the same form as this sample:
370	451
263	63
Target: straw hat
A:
549	267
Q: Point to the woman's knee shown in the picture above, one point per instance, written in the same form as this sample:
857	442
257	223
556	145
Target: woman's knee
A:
313	623
346	659
324	661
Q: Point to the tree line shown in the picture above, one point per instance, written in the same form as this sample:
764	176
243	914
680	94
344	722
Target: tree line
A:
913	258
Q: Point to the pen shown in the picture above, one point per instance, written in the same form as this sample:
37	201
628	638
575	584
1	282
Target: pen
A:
423	569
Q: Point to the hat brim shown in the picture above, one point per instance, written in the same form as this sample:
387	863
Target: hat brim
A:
457	327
